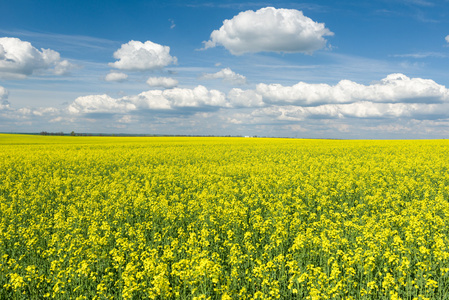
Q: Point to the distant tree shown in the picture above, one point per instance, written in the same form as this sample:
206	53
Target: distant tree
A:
72	133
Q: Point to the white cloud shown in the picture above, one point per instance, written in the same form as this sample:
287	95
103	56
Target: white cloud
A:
244	98
164	82
116	76
359	110
447	38
18	59
154	100
3	93
138	56
177	97
394	96
99	104
198	97
272	30
64	67
2	52
227	75
394	88
45	111
4	105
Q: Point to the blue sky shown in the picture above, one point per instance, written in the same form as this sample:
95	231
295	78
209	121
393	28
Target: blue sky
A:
322	69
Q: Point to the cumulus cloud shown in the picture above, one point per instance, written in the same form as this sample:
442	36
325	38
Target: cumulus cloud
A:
164	82
198	97
393	96
116	76
447	38
64	67
18	59
392	89
28	116
3	93
226	75
396	97
138	56
4	106
45	111
177	98
359	110
99	104
272	30
244	98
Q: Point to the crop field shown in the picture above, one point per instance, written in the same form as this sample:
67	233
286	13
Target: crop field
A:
223	218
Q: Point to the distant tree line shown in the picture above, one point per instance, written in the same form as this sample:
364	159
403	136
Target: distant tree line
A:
73	133
51	133
62	133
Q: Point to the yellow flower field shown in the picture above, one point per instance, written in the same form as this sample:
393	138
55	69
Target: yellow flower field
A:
223	218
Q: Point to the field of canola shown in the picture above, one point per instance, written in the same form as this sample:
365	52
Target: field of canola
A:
223	218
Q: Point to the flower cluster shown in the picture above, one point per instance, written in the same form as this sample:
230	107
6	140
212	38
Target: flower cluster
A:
223	218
